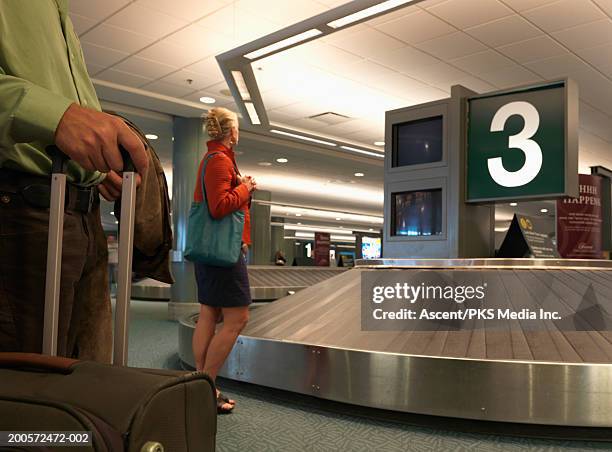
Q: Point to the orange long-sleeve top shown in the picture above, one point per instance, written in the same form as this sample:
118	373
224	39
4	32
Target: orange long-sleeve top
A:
224	191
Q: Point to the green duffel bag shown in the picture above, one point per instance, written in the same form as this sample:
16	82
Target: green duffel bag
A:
126	409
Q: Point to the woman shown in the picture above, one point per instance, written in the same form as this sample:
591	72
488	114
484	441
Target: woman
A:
223	292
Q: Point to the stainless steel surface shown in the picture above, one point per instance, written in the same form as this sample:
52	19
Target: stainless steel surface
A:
492	390
312	343
149	289
591	264
124	277
522	392
54	263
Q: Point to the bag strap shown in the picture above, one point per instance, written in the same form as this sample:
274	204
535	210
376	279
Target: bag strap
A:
202	173
202	185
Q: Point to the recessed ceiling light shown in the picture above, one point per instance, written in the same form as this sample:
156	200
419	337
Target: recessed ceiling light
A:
302	137
371	229
544	210
241	85
299	223
282	160
513	204
338	219
379	143
265	164
359	174
253	116
367	12
361	151
151	136
283	43
298	214
207	100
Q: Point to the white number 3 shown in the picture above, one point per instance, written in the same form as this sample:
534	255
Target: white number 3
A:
522	141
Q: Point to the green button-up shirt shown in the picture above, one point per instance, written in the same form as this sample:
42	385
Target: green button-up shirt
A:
42	71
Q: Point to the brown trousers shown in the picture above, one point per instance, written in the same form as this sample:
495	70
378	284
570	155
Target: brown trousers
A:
85	325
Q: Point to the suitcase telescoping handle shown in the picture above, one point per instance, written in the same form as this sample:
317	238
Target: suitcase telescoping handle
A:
126	251
54	250
54	255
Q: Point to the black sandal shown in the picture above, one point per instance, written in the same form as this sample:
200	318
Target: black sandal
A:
225	398
220	406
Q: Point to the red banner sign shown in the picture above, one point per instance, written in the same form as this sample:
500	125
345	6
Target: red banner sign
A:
321	249
579	221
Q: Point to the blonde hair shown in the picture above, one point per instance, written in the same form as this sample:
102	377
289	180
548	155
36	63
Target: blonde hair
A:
219	122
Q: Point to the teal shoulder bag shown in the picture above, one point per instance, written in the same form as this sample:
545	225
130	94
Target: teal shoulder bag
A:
210	241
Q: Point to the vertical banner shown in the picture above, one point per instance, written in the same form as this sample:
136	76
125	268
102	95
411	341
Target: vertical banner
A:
321	249
579	221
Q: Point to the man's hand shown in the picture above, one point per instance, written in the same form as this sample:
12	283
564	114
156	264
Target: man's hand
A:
110	187
92	139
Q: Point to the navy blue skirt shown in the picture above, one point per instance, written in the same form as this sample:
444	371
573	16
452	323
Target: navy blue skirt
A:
223	287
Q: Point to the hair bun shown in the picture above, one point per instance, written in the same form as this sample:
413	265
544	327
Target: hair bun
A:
213	128
218	123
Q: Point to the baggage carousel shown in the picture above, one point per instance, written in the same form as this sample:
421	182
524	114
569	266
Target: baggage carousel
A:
312	343
268	282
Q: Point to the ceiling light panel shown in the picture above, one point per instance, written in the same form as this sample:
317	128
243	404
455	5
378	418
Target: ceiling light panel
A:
302	137
367	12
349	218
290	227
253	116
241	85
288	42
363	151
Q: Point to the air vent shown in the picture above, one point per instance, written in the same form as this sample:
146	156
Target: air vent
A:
330	118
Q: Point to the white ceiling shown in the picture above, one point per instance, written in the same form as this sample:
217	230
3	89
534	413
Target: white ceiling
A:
409	56
417	53
406	57
158	45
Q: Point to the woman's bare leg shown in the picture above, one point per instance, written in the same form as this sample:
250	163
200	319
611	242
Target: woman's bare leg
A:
234	320
203	334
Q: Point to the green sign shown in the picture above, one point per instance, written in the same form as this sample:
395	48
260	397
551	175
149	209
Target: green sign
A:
523	143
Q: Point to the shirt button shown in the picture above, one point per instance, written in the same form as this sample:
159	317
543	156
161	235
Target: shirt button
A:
5	199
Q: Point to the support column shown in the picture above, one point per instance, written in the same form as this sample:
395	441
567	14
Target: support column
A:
261	248
188	148
280	243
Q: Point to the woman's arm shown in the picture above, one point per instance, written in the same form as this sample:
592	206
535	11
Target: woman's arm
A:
222	199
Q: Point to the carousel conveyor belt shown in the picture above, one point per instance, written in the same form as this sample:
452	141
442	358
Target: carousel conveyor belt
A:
313	343
267	282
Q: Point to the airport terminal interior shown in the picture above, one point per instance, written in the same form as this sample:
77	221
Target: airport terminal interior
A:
441	144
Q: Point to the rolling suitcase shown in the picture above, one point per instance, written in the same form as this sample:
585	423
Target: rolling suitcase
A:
125	409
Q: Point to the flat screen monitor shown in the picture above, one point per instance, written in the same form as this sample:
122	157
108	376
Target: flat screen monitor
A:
417	142
371	248
417	213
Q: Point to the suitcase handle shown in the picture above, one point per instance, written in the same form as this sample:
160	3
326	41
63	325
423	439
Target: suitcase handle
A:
54	254
59	160
36	362
128	163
